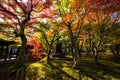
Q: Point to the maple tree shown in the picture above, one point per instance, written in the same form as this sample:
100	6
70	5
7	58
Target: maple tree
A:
73	18
49	34
101	17
19	14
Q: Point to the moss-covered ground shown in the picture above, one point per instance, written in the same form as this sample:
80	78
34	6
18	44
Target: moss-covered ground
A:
61	69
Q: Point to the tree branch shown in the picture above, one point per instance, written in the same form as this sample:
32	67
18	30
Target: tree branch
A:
20	6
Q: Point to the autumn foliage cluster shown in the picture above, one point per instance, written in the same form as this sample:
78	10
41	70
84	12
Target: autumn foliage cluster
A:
37	49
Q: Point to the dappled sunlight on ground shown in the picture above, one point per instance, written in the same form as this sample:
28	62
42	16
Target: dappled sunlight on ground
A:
61	69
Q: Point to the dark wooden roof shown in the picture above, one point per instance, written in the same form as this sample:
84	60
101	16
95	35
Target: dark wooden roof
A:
6	43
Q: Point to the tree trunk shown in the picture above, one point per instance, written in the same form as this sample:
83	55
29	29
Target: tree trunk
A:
96	54
49	52
79	52
115	51
21	57
74	60
92	48
73	40
48	57
6	53
79	49
74	54
20	63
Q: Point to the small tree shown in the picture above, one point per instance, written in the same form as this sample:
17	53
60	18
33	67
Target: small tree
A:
49	34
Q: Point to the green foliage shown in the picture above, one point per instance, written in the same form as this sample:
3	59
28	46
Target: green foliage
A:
63	6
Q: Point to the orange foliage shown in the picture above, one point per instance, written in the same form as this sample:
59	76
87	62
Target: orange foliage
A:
84	37
49	33
62	29
76	4
67	17
38	50
107	6
74	27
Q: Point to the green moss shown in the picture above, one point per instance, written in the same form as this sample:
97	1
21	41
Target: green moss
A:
61	69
